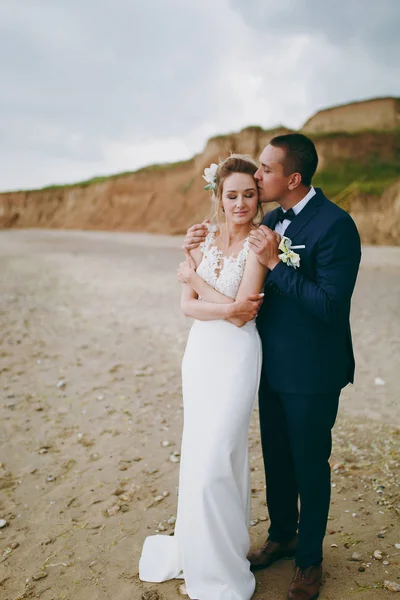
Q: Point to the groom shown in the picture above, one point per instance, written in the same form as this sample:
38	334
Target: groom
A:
307	351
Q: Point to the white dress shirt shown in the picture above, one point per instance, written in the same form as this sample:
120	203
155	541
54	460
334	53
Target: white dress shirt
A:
281	226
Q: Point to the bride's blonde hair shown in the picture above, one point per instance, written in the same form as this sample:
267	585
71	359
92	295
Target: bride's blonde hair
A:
235	163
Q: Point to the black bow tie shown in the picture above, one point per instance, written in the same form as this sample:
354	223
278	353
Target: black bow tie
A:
282	215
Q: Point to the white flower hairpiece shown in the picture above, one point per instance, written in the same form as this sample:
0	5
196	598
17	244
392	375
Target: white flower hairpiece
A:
210	176
292	259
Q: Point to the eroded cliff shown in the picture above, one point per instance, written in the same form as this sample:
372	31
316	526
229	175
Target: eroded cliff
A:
357	169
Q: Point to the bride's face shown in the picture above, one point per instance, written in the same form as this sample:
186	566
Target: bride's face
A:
240	198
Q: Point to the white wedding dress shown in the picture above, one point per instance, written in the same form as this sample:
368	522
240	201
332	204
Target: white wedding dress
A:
220	378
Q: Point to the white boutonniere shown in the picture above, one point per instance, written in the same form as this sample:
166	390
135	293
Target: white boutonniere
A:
210	176
290	258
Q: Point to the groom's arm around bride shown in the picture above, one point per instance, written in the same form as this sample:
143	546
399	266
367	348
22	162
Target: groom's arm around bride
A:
327	296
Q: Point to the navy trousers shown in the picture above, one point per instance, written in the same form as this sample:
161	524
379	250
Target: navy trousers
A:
297	442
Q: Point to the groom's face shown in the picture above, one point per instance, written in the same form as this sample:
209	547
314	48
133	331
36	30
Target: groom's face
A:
271	179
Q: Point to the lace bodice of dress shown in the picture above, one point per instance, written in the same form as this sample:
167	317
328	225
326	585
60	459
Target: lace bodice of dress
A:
223	273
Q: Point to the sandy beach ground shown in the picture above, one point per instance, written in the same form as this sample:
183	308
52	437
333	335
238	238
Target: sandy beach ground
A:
91	341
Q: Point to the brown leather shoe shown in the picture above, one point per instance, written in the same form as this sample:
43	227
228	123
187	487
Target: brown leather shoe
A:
270	552
306	583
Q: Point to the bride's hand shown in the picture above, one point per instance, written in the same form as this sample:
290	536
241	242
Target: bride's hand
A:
186	269
246	309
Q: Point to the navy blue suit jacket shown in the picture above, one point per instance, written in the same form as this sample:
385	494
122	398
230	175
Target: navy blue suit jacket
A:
304	322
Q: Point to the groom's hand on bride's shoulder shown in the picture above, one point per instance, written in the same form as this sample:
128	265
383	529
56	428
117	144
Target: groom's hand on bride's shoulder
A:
264	242
195	235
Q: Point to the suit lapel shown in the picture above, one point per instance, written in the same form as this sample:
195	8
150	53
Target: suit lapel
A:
310	209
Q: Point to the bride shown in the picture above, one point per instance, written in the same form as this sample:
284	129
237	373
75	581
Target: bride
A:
222	281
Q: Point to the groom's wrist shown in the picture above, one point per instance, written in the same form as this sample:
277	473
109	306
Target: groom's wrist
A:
272	263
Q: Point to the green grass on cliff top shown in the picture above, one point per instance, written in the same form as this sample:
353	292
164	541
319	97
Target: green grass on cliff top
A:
102	178
372	177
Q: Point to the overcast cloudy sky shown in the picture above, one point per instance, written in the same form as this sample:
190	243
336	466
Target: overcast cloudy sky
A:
91	87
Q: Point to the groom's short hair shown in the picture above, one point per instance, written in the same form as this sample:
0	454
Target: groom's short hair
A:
300	155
